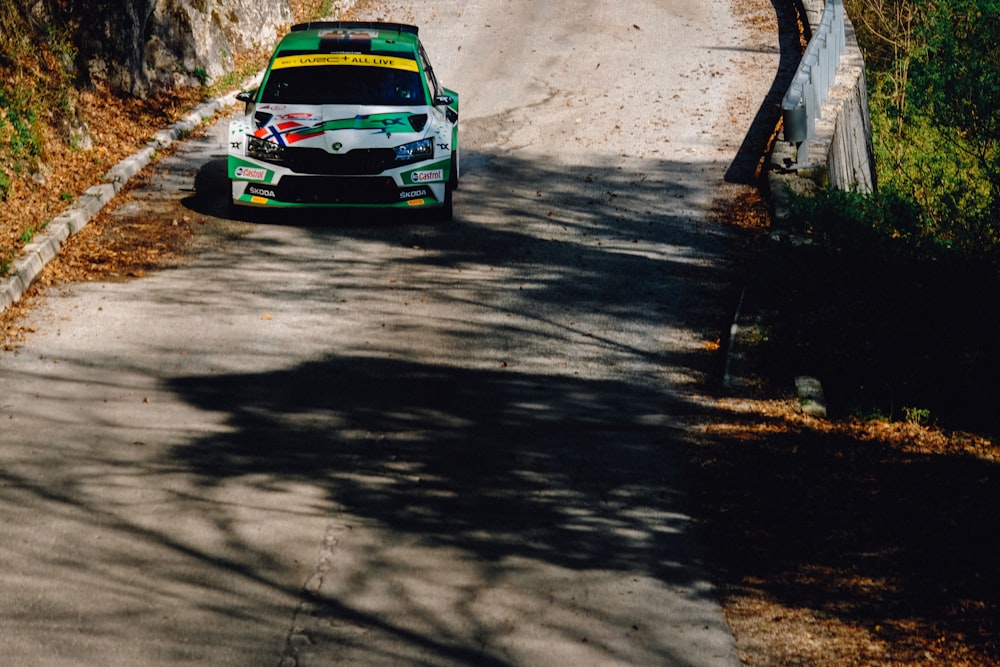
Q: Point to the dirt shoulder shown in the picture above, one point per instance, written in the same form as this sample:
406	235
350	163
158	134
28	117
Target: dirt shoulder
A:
849	542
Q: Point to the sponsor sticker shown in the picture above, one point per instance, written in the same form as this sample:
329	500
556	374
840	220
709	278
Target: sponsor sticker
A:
427	176
359	59
252	173
258	191
299	115
412	194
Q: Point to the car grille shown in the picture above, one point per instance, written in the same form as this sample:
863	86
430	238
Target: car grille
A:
320	190
357	162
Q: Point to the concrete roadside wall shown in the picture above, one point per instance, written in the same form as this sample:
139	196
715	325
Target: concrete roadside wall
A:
841	154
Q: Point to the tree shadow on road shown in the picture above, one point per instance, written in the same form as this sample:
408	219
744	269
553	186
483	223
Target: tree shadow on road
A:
568	462
749	165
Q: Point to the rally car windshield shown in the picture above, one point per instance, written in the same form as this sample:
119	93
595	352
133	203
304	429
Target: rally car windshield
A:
343	84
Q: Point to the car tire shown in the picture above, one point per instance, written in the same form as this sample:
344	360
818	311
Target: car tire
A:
453	178
231	206
444	213
439	214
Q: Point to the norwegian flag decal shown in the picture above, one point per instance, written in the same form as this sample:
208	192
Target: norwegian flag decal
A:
283	133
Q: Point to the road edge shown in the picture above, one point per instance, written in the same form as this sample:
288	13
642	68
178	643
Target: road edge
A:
47	242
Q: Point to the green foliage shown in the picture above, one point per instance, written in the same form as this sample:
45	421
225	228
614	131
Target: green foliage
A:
955	90
18	123
934	76
917	415
37	62
326	9
956	72
202	75
868	227
919	160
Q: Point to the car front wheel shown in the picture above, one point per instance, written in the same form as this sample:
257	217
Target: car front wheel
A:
444	212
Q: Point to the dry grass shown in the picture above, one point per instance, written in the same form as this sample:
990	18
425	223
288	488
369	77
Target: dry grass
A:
850	542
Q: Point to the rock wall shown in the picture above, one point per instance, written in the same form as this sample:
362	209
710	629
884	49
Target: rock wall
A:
140	45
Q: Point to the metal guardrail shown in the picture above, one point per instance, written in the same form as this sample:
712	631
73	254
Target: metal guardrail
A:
810	89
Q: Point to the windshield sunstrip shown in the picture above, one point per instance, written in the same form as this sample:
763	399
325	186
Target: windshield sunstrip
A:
355	59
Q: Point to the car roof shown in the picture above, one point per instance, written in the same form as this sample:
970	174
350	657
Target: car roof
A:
351	37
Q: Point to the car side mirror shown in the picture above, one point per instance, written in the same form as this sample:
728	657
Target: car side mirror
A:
443	100
246	96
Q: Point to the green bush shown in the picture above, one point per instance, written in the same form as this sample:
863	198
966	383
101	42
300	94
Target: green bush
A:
19	125
933	68
37	64
876	227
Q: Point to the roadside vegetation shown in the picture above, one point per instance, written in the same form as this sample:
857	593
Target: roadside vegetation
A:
58	137
58	133
865	538
893	299
32	80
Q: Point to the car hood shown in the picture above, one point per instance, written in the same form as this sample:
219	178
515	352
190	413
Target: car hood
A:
350	126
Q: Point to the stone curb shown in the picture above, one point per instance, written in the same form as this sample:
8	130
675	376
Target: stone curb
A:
47	242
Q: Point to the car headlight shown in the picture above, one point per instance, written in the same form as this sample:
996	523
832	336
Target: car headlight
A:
262	149
417	150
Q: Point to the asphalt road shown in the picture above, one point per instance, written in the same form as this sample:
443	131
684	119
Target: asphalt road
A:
370	441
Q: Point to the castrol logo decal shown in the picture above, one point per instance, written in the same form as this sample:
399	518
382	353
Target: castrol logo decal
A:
427	176
252	173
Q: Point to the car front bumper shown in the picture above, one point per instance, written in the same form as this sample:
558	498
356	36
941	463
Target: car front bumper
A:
257	183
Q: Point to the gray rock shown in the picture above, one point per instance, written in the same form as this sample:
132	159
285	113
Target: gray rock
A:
139	46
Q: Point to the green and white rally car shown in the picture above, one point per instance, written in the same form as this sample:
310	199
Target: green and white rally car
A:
348	114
